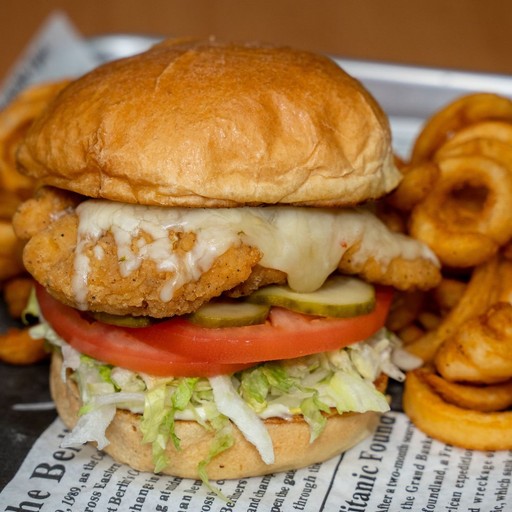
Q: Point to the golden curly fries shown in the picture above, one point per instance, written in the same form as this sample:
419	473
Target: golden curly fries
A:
455	196
16	347
480	351
459	114
453	424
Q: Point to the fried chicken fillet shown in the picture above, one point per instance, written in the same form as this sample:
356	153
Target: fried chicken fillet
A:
50	224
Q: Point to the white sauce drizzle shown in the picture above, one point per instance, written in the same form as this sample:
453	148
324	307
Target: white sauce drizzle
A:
306	243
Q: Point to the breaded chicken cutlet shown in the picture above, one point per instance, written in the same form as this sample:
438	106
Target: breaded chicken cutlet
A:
50	224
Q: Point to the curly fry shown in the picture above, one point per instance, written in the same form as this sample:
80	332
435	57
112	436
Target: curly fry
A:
405	309
10	252
428	320
482	290
505	289
16	295
463	396
465	111
17	347
15	120
480	350
8	204
465	218
391	217
495	131
399	161
496	397
449	293
507	251
474	430
494	149
416	183
410	333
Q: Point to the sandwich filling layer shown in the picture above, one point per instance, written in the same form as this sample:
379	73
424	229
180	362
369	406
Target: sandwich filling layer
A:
154	261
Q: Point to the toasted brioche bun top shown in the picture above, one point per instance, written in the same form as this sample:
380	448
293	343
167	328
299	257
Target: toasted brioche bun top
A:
204	123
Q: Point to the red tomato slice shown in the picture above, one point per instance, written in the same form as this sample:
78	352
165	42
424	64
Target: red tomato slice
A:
178	347
114	346
285	335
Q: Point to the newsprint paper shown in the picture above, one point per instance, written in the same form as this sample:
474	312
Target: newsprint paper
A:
398	468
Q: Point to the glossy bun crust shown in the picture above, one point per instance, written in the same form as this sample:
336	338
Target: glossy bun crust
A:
290	438
204	123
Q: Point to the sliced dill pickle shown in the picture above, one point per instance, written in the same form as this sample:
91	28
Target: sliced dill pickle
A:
229	314
339	296
123	321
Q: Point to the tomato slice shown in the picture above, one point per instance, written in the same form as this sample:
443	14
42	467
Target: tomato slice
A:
285	335
177	347
115	346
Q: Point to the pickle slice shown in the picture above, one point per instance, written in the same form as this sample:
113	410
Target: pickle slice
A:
229	314
123	321
340	296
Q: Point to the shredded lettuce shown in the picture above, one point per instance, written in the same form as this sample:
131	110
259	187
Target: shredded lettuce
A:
91	427
350	392
232	405
157	425
222	441
311	386
312	409
257	383
158	419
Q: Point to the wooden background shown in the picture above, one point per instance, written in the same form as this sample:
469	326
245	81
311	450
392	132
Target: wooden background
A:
457	34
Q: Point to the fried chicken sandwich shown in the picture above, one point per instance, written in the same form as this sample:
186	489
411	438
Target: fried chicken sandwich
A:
210	271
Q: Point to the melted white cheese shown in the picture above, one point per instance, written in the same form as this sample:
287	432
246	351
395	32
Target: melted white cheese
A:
306	243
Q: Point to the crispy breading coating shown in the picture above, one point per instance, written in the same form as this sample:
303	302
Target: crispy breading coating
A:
49	257
401	273
50	224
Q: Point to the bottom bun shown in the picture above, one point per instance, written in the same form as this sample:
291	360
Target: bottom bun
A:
290	439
